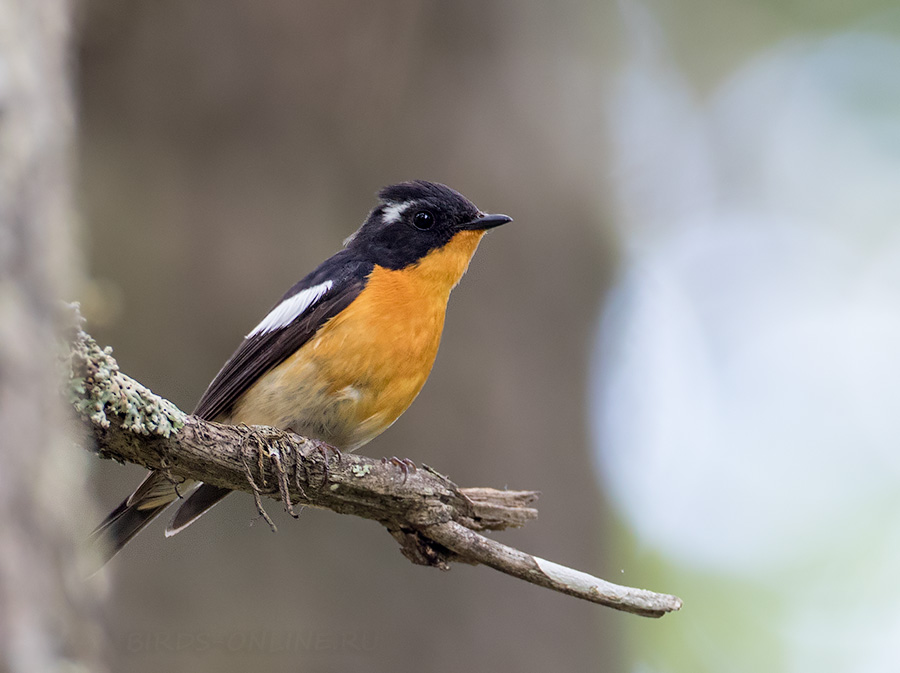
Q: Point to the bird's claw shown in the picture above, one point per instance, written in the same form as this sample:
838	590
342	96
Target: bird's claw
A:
405	464
323	449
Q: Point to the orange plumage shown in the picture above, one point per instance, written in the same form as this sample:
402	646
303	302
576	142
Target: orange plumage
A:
366	365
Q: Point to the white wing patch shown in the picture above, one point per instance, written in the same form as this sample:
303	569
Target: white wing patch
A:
394	211
291	308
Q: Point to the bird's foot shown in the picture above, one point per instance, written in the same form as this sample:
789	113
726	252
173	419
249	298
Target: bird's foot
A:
405	464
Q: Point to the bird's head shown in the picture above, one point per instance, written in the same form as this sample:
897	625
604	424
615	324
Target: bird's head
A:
416	218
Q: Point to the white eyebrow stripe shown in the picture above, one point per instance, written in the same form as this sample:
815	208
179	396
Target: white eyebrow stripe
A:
393	211
291	308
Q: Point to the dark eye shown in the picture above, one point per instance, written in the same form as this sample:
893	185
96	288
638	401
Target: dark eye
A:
423	220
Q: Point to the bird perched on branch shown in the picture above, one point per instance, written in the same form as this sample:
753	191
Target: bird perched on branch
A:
345	351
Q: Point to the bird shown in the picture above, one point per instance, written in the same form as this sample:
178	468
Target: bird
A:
343	353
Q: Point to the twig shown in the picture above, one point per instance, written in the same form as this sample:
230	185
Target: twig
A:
471	545
434	521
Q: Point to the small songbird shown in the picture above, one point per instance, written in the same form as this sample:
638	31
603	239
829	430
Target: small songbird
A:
344	352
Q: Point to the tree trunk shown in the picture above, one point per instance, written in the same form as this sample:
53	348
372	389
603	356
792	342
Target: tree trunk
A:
45	613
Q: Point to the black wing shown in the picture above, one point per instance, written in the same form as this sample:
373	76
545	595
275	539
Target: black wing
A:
260	352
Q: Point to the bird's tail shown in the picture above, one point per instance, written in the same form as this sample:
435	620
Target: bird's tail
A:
197	504
148	501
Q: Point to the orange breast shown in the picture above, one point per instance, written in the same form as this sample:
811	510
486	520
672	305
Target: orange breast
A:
365	366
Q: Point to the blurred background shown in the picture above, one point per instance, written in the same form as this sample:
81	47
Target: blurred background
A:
686	340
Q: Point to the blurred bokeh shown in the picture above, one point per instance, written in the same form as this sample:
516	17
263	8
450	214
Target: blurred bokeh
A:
686	340
746	379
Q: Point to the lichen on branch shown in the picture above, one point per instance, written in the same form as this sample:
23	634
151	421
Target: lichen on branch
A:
96	387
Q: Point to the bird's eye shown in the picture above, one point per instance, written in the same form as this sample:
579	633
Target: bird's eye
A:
423	220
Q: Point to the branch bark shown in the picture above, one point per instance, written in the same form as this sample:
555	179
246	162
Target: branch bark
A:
435	521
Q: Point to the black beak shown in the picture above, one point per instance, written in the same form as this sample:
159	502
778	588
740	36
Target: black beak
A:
487	222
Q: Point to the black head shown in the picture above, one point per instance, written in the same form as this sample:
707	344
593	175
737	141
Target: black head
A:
415	218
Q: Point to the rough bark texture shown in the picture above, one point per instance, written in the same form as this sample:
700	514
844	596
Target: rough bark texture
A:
434	521
45	617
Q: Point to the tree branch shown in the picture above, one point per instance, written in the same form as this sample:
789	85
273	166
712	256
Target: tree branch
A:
434	521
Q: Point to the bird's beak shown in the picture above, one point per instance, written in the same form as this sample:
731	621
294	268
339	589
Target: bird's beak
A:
487	222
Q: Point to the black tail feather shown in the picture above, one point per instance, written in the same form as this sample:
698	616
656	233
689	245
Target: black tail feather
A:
198	503
122	524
